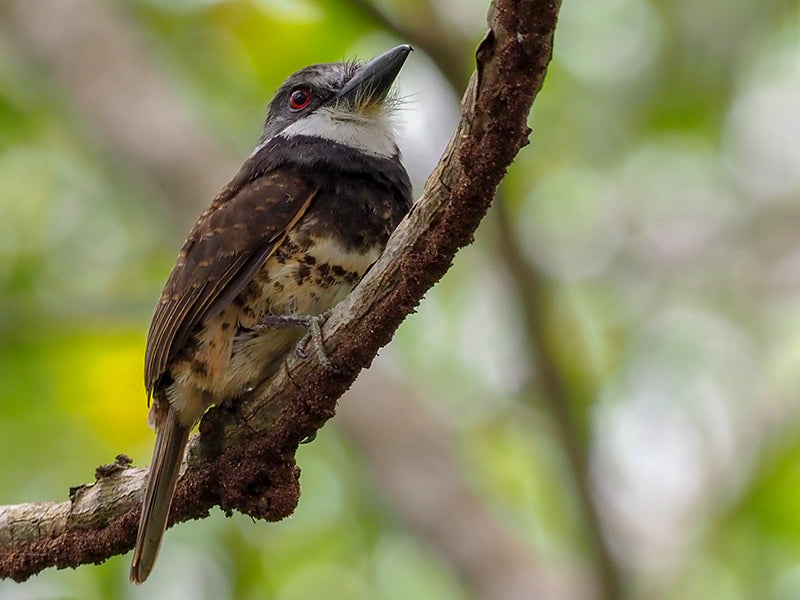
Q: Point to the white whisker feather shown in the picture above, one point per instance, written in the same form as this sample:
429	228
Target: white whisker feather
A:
370	133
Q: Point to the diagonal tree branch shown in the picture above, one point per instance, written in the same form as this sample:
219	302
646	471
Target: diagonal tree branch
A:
243	458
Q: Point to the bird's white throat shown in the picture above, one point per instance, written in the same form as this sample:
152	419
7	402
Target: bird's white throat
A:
372	134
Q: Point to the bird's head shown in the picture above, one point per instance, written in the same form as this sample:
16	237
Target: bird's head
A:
346	103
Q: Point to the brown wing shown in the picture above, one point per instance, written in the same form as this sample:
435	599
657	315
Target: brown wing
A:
228	244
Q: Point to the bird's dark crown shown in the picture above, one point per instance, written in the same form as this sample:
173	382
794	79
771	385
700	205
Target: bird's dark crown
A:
323	81
343	102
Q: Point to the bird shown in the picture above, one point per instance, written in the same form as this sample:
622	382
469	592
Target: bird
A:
308	213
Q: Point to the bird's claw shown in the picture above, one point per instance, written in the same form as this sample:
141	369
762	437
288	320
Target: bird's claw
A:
312	324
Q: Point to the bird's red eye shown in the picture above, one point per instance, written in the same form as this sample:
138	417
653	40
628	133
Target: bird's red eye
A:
299	98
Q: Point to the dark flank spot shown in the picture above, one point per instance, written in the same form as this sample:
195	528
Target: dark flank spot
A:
302	273
165	381
352	277
338	271
199	367
247	296
225	326
185	353
325	278
308	259
286	251
278	286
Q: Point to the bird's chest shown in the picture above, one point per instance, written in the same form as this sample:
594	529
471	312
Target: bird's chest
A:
306	275
314	267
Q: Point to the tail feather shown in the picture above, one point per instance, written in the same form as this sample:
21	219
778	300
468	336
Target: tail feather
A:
167	458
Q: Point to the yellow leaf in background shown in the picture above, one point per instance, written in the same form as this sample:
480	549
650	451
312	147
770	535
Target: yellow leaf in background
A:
100	378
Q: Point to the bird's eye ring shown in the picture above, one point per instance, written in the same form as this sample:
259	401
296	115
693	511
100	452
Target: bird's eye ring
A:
299	98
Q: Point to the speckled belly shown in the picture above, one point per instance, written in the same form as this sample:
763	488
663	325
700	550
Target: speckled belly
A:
298	279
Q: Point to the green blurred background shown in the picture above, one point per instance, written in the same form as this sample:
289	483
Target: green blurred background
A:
609	378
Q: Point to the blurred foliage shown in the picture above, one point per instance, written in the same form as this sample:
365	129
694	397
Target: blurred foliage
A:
661	198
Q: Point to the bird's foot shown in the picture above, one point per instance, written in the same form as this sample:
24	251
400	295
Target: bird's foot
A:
312	324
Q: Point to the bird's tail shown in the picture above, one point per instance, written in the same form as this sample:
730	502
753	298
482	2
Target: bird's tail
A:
167	458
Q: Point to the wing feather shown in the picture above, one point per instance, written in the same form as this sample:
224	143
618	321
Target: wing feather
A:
226	247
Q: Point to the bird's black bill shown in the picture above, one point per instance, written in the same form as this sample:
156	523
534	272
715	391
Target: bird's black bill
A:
373	81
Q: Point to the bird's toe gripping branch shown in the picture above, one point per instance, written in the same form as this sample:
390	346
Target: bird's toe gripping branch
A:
312	324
